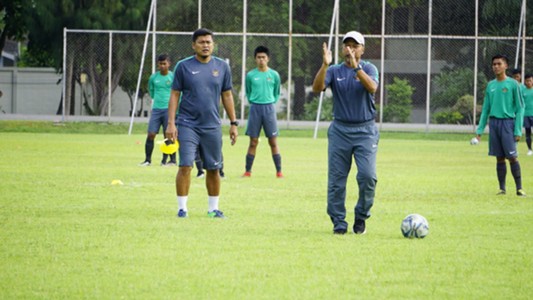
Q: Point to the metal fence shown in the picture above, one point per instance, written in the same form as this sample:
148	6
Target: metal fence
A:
438	52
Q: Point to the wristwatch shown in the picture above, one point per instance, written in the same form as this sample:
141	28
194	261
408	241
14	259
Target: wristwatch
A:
357	69
234	123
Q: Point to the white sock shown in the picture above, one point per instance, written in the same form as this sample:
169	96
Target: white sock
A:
213	203
182	202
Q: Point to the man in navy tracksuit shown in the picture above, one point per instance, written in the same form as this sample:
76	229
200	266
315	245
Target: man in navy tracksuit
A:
353	132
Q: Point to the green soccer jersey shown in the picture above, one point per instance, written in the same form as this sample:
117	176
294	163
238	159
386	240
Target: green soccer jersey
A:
159	88
503	100
262	87
528	102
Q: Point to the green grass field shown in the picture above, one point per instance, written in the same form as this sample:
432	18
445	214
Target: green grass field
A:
67	233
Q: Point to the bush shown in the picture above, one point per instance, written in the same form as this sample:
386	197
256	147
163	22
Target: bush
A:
326	112
399	101
459	113
464	107
448	117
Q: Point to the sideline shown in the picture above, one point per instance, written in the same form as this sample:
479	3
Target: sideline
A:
410	127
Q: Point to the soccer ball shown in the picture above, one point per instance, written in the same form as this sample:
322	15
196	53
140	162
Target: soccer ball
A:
474	141
415	226
169	146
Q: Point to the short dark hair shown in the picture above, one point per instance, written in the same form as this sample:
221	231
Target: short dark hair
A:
529	75
261	49
201	32
500	56
516	71
163	57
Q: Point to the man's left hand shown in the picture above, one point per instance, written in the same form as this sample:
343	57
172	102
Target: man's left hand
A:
233	134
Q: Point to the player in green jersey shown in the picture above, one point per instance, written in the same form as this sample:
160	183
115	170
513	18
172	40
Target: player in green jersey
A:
528	110
517	75
159	86
262	91
503	108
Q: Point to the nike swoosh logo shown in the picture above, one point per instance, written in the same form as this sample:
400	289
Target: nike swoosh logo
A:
217	163
195	72
256	78
493	90
340	79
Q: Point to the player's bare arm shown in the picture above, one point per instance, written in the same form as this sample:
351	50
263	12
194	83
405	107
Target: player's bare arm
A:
172	132
320	78
229	106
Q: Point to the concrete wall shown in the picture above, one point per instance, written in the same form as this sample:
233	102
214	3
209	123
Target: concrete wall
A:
29	90
37	91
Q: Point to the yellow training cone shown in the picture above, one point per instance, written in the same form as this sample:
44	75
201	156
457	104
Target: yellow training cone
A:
117	182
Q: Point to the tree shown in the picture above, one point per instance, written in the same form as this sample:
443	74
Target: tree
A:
47	18
13	23
454	84
128	82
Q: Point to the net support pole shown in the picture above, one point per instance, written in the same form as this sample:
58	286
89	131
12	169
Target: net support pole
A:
289	67
199	13
476	59
243	68
64	84
520	27
428	78
109	74
154	38
382	73
524	41
318	111
141	67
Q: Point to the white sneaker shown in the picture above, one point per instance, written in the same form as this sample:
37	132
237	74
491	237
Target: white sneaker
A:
530	152
145	163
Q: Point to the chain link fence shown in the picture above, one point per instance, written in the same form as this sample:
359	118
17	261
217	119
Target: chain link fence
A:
434	56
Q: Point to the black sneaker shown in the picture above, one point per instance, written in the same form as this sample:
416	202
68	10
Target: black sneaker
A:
359	227
501	192
340	231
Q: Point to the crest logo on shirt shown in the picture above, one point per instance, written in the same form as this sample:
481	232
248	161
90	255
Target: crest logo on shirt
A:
215	73
505	90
